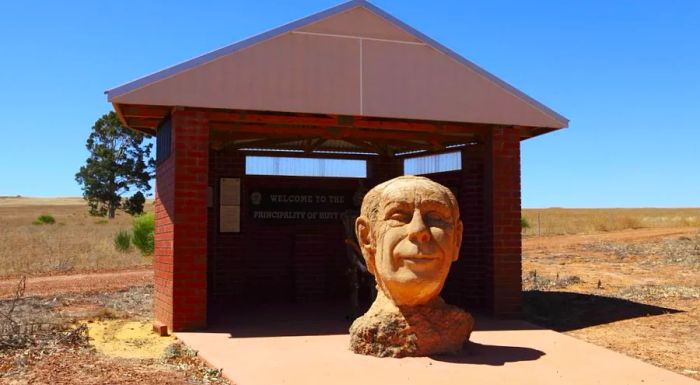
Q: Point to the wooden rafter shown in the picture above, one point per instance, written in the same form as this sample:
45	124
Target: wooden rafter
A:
261	143
365	145
312	144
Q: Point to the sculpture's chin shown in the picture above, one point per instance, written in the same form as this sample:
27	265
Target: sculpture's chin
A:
412	292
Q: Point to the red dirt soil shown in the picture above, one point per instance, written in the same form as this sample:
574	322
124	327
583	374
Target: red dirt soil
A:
79	283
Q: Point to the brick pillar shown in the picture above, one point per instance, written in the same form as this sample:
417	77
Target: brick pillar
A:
181	225
503	236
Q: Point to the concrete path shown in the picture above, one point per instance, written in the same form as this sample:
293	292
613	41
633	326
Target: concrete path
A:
266	349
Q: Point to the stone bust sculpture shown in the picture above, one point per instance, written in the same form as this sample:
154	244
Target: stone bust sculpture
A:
409	232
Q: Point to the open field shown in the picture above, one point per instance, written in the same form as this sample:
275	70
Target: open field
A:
76	242
558	221
20	201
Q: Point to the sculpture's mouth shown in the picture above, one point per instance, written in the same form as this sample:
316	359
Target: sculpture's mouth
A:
420	259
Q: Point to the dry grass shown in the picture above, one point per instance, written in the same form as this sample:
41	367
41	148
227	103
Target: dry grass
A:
76	242
557	221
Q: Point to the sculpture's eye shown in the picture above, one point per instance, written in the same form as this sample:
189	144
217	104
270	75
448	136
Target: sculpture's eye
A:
436	219
400	216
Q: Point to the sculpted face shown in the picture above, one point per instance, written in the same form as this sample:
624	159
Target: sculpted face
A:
410	234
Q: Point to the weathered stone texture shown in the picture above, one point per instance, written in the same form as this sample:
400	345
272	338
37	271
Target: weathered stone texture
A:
424	330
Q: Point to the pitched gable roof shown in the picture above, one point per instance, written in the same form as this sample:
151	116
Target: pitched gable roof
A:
352	59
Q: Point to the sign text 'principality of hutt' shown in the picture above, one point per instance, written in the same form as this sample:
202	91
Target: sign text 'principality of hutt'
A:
299	205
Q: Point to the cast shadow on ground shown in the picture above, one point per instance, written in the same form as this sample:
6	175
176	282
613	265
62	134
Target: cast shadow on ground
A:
282	321
565	311
560	311
493	355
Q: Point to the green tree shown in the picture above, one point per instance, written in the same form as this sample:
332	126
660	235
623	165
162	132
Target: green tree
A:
119	162
134	204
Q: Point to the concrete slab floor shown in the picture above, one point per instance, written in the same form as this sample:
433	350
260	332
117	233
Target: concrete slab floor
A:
309	345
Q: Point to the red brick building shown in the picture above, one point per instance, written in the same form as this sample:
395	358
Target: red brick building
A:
263	144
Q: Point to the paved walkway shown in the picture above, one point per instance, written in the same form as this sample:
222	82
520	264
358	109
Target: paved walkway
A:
284	345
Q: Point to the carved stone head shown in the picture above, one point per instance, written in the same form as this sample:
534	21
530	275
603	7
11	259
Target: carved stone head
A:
410	233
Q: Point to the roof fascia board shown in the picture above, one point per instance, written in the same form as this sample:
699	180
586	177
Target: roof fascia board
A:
459	58
229	49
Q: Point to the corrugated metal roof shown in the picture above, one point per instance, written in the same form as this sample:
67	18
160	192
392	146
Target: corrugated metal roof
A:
315	65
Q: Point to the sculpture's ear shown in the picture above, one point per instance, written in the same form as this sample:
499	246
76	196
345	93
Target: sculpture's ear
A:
459	229
365	241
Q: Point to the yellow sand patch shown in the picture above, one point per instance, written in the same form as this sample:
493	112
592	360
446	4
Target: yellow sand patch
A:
127	339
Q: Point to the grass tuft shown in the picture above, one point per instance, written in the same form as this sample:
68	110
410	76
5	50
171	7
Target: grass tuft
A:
45	219
122	241
143	229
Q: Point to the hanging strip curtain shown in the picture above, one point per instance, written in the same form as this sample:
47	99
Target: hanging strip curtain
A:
430	164
319	167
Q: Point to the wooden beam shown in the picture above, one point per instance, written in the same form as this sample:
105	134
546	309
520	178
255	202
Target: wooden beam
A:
335	132
145	130
297	154
436	145
272	118
151	123
296	119
137	111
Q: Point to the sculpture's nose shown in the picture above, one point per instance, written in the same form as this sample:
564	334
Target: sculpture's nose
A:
418	232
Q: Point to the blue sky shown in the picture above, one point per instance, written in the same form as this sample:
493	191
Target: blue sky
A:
626	73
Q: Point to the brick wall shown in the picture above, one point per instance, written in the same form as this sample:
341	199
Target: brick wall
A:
164	239
279	263
181	225
502	155
304	262
273	261
383	168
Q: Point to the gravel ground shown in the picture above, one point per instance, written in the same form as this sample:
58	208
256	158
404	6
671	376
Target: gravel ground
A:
46	357
635	292
684	250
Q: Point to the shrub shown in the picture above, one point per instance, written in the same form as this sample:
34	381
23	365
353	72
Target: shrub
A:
45	219
524	224
134	204
122	241
143	229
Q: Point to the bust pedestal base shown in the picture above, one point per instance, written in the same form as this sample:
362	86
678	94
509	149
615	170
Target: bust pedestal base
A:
387	330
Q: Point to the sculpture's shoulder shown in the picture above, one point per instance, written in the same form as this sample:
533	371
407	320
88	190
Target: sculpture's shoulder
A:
440	317
382	334
415	331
